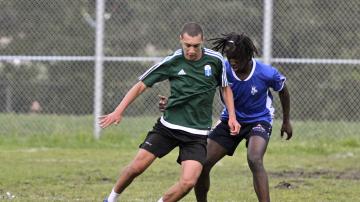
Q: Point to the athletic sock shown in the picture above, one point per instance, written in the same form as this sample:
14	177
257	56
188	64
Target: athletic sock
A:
160	200
113	196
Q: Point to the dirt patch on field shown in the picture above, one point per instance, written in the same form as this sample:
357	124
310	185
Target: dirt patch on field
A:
347	175
293	179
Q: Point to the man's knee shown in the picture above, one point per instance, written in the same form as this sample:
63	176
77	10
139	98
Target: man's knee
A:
206	168
187	184
255	162
133	170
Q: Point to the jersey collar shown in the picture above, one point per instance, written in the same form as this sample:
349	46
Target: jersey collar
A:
250	75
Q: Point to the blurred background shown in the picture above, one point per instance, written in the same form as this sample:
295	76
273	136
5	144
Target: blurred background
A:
61	64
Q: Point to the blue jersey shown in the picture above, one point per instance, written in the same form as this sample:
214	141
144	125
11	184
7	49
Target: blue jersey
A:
252	96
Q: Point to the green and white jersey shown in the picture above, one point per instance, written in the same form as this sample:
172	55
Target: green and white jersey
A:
193	85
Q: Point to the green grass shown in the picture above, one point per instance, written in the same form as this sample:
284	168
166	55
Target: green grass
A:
56	158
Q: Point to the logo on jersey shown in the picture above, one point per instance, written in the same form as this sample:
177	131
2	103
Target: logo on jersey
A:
207	70
181	72
253	90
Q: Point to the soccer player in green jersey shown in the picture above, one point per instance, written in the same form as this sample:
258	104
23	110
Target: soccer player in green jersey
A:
194	73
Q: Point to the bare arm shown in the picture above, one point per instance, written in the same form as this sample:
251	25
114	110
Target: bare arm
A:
229	102
116	115
285	104
162	102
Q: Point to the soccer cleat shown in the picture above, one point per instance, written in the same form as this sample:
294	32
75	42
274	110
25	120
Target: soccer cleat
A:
105	200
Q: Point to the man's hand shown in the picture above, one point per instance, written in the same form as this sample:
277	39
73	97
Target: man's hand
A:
234	126
109	119
287	128
162	102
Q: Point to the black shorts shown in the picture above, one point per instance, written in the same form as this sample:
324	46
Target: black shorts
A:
161	140
221	134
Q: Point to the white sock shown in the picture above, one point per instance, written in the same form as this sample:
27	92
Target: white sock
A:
160	200
113	196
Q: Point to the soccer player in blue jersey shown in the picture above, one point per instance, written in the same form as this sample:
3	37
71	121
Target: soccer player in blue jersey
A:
250	81
194	73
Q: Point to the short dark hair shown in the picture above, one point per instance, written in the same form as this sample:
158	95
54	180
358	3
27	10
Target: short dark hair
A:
237	46
192	29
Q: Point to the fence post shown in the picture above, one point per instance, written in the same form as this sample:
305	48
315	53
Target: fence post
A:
267	31
99	60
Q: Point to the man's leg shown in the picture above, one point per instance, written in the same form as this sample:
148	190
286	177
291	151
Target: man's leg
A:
256	150
190	171
142	160
215	152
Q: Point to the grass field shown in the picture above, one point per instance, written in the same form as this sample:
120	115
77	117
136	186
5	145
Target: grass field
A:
63	162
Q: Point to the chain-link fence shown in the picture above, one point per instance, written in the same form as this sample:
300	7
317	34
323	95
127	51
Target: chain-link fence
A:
47	53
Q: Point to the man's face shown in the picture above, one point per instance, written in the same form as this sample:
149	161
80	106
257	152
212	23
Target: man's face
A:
237	65
191	46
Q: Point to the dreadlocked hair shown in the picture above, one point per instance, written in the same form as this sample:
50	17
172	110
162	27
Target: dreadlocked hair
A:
235	46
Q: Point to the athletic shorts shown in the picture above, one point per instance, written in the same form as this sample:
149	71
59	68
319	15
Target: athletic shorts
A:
221	134
161	140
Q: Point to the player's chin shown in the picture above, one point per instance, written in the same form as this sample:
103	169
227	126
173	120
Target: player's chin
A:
235	69
191	58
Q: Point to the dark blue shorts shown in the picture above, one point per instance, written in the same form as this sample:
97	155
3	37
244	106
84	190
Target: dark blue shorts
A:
221	134
161	140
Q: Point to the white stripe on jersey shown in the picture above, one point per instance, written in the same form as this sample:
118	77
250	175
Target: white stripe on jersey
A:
151	69
215	53
270	107
282	85
224	76
183	128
